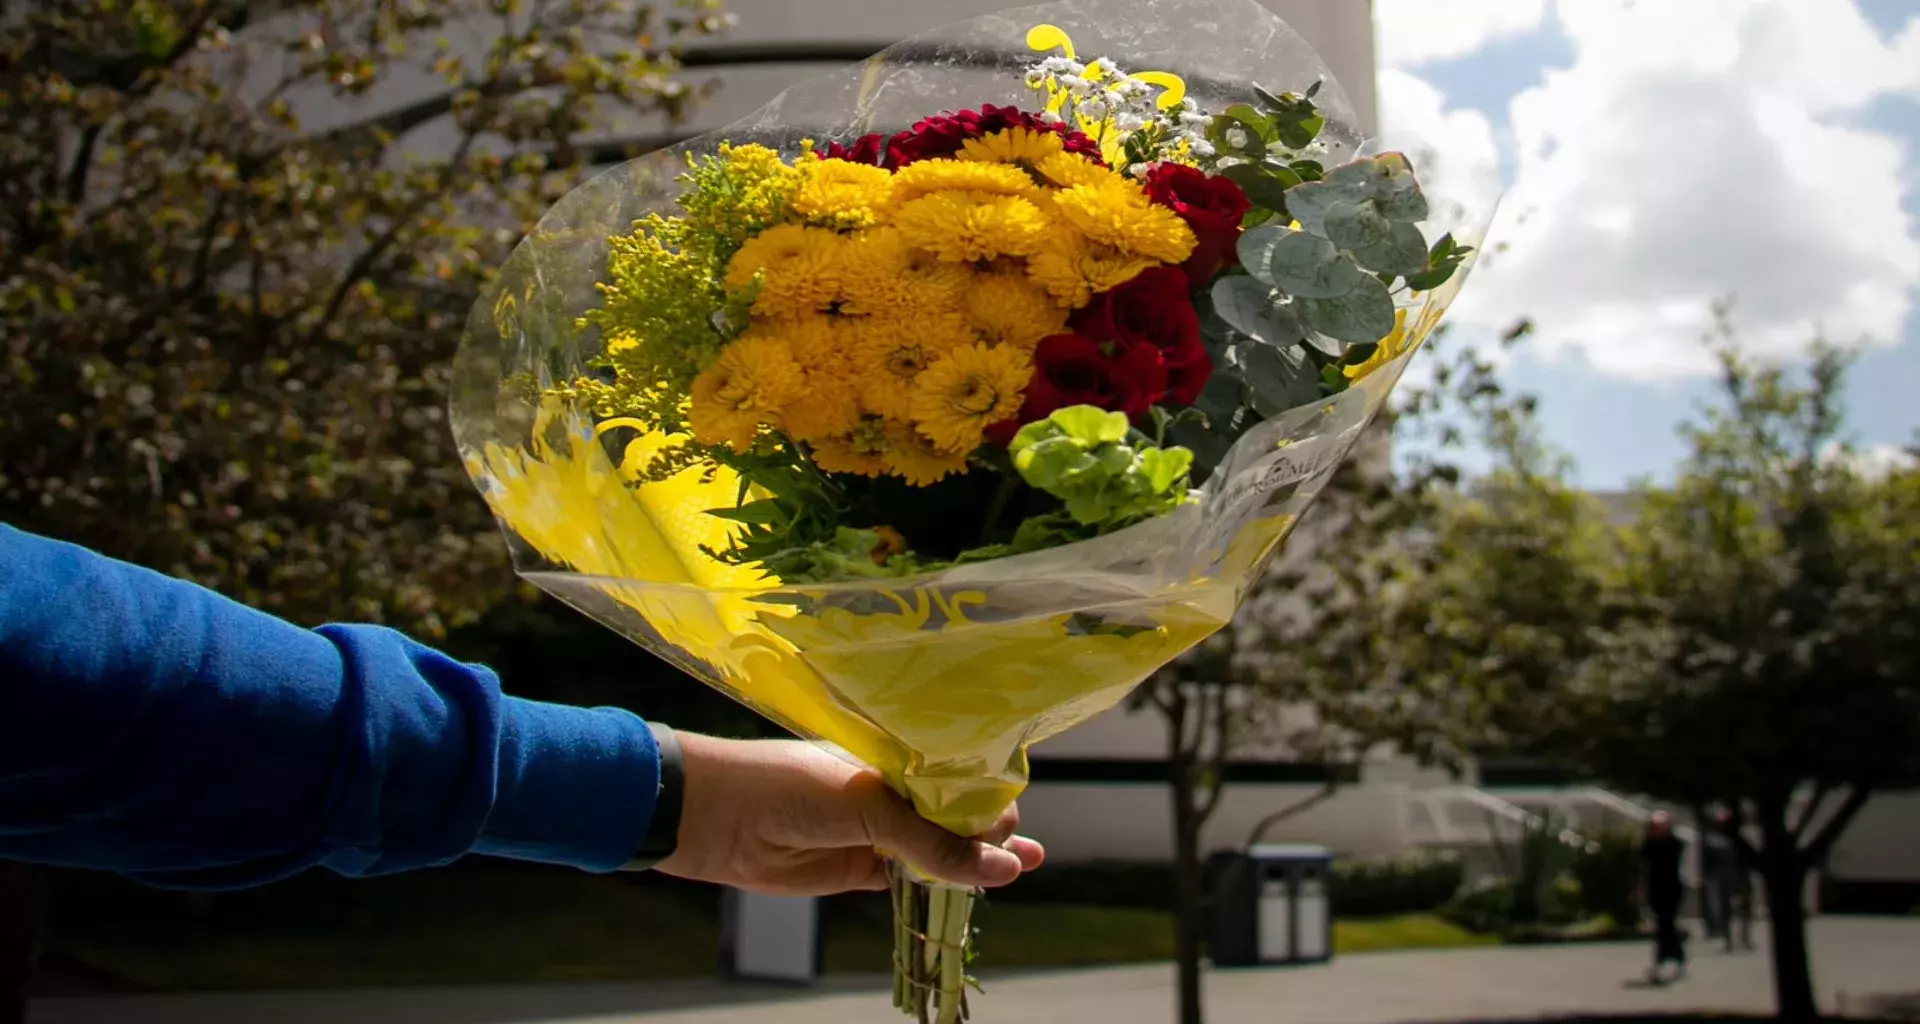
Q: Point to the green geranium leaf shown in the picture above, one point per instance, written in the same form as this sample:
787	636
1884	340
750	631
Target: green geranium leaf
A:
1164	467
1388	246
1091	424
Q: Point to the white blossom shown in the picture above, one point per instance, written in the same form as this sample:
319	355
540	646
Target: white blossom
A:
1093	107
1237	138
1201	148
1129	122
1107	67
1036	79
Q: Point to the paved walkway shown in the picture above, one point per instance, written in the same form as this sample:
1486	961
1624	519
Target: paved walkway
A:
1855	959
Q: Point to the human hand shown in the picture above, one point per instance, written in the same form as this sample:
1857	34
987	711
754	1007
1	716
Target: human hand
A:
789	819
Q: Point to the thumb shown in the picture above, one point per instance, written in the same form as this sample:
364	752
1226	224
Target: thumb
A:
898	831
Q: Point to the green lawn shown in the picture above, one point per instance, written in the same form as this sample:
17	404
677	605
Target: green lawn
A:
1407	931
461	927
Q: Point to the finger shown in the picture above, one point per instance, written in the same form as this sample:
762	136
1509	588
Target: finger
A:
1004	828
897	830
1031	853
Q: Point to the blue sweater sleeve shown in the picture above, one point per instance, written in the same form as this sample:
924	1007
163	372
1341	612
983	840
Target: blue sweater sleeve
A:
151	727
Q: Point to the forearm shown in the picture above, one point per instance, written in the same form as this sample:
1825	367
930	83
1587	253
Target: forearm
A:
150	727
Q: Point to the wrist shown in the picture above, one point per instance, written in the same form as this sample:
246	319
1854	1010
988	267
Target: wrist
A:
662	837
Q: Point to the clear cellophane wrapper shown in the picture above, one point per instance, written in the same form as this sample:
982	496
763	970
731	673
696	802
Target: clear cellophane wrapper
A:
941	682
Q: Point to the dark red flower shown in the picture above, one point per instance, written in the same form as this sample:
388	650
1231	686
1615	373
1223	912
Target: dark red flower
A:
1071	370
1153	311
1211	206
866	149
944	135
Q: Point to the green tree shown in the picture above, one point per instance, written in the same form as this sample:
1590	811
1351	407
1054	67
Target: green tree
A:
1303	667
1746	638
1766	653
225	333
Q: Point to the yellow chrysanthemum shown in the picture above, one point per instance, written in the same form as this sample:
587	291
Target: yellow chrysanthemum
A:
1391	348
882	275
1021	147
926	177
797	267
920	462
1072	268
894	354
841	194
749	385
1119	217
1011	309
1066	170
968	390
825	348
963	227
861	451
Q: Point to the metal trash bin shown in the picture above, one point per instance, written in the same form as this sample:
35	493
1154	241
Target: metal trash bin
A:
1271	905
771	938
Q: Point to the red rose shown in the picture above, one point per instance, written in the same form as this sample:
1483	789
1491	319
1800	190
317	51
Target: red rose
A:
943	136
1212	207
1071	370
866	149
1153	311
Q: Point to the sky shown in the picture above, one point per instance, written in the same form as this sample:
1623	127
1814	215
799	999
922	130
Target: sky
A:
1658	156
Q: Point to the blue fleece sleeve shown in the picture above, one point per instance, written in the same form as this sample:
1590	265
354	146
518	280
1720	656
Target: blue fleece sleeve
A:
151	727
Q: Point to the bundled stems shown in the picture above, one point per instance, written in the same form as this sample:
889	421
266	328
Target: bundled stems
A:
930	937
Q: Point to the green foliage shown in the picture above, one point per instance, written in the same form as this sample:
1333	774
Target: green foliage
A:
1423	880
1608	870
224	333
1536	868
1081	456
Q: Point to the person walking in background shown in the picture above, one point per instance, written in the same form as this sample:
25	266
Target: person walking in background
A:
1733	881
1660	886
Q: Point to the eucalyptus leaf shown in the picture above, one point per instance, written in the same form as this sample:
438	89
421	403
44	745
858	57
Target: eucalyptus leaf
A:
1325	345
1363	314
1378	243
1300	264
1277	379
1250	307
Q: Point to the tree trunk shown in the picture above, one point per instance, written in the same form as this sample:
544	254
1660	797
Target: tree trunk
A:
1785	879
1189	916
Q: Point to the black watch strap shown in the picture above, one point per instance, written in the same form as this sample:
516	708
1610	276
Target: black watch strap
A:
663	831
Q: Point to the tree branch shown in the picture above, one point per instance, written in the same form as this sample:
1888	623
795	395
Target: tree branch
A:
1811	814
1835	826
82	163
1298	807
1216	722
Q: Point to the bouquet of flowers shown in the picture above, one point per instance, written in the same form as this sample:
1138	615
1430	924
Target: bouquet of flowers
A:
931	434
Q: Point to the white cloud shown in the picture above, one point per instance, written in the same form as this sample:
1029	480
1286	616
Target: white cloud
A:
1698	150
1412	32
1452	150
1875	462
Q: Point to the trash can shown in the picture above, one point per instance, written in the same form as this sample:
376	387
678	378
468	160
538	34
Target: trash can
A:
1271	906
770	938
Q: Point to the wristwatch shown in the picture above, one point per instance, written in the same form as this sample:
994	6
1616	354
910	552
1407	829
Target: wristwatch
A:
663	831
